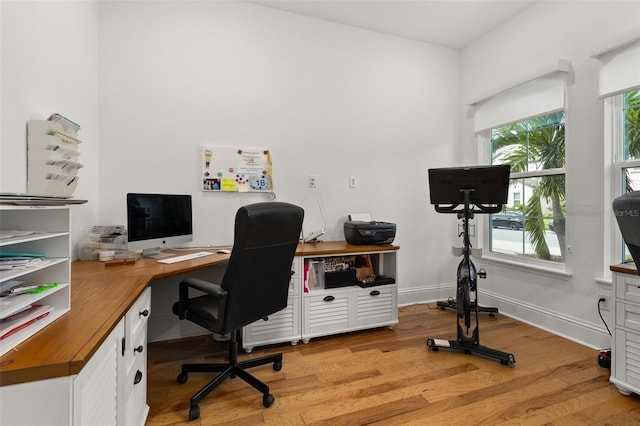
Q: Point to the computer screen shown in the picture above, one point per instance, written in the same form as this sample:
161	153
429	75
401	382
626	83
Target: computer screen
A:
489	185
158	221
627	210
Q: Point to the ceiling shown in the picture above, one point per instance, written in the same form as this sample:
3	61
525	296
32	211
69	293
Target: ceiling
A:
450	23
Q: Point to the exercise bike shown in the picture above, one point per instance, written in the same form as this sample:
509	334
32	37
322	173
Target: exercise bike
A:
466	191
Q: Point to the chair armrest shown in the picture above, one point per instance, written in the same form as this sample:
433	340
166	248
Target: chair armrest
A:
211	289
205	286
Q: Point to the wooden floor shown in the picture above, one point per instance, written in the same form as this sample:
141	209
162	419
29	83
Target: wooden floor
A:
389	377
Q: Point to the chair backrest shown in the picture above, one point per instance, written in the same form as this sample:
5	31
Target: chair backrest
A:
259	271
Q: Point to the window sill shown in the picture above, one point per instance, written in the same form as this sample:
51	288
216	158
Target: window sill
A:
537	267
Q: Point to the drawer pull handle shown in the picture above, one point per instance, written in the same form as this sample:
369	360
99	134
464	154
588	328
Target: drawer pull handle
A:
138	349
138	378
329	299
375	293
144	313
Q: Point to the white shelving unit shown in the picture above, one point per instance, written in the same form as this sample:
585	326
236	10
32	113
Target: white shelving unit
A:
324	312
49	236
344	309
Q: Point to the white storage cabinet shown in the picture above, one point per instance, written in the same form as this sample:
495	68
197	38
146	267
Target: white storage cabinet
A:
329	311
625	347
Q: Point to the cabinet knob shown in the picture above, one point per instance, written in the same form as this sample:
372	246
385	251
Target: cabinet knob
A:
138	349
329	298
375	293
138	378
144	313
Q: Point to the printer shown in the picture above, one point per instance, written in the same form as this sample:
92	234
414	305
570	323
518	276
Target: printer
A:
361	232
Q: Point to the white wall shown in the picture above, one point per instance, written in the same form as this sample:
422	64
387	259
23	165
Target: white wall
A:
49	57
150	82
553	30
326	99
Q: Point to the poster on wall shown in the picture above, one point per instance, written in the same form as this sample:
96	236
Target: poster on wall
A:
226	169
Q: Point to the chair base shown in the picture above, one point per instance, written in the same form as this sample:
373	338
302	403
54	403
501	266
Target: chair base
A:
229	370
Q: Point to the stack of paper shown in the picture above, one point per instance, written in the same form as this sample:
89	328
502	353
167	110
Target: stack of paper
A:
23	319
11	262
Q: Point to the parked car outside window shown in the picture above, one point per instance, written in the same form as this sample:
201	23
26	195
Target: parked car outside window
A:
511	220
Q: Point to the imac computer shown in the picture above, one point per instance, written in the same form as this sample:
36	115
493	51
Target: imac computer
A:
158	221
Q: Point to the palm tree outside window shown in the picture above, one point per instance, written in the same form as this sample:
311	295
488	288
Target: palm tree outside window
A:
535	149
629	163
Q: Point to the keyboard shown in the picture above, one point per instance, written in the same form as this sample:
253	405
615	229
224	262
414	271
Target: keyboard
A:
184	257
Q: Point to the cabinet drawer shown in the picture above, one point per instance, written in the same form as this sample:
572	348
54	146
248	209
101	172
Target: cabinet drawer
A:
628	287
326	313
135	348
628	316
376	305
138	315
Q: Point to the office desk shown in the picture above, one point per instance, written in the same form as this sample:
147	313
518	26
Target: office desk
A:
101	297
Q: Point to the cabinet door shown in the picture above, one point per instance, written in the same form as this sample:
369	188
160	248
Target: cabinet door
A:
283	326
626	368
95	388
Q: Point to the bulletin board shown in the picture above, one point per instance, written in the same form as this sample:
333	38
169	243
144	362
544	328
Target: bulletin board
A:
227	169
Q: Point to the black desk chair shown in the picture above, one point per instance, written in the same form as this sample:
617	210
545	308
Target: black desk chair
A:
255	285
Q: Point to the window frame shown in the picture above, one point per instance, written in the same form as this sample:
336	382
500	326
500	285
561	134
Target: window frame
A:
539	266
614	144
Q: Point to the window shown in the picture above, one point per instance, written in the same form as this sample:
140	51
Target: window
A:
626	142
532	223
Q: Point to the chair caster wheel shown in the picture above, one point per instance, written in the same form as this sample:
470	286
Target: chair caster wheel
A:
267	400
277	366
194	413
432	345
182	378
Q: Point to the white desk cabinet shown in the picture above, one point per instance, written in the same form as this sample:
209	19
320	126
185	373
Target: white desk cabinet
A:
109	390
323	312
625	363
87	398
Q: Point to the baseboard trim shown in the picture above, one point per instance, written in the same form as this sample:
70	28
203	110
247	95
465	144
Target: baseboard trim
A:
575	329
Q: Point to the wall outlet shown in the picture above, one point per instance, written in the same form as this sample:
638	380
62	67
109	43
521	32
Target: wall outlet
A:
353	182
604	304
313	181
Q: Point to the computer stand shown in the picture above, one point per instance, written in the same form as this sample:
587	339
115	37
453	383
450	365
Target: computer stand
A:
465	306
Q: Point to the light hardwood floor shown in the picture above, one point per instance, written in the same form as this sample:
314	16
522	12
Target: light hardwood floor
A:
388	376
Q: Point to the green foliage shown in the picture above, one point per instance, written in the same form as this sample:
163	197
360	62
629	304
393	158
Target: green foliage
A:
536	144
